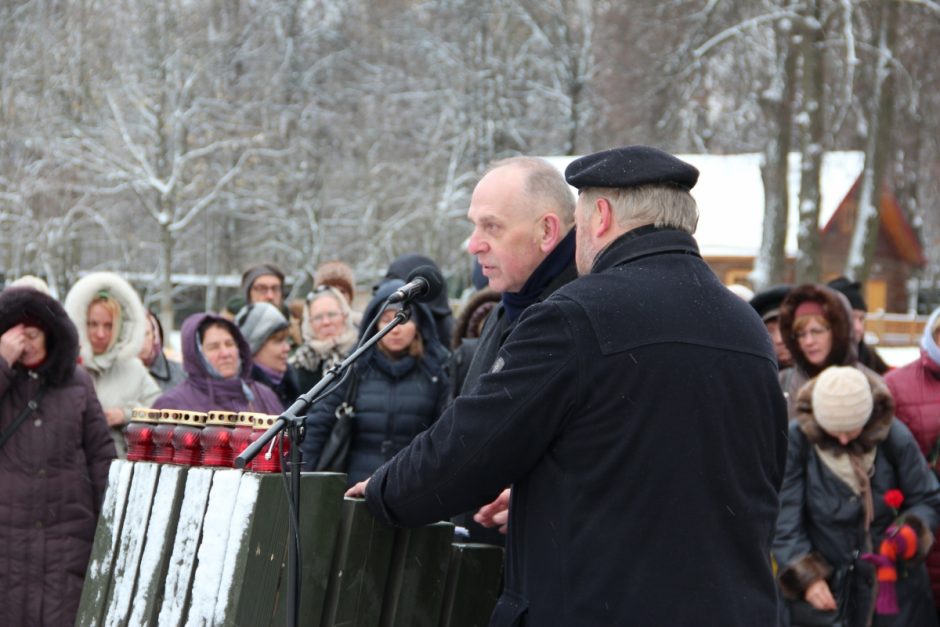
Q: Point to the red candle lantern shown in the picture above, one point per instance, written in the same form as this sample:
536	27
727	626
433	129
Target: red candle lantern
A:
263	462
241	436
139	434
216	438
186	446
163	436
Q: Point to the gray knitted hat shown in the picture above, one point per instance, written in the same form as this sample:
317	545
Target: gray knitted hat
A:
258	322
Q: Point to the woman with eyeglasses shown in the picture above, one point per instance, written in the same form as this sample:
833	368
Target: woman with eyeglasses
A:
817	328
396	390
329	334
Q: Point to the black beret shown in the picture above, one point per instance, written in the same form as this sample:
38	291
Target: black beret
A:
630	166
767	302
852	291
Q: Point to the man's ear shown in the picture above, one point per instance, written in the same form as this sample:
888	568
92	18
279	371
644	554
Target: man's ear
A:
603	220
551	232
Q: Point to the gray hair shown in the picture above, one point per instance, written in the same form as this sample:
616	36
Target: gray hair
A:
544	185
660	205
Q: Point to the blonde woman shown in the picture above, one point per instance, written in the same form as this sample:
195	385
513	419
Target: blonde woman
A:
111	323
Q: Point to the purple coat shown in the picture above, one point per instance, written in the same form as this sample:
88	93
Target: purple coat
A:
201	392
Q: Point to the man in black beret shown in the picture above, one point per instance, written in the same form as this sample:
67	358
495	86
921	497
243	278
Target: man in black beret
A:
853	292
637	415
767	305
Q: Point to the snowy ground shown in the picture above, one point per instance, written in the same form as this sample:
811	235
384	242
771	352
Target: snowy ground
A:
897	356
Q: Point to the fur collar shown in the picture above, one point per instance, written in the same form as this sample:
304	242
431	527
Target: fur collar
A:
838	314
873	433
131	334
61	336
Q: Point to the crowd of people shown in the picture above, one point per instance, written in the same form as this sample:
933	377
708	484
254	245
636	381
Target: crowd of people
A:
764	473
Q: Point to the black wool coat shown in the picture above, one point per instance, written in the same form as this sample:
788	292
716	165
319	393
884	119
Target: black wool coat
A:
637	415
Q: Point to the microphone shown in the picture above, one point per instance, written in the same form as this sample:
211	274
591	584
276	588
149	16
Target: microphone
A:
424	284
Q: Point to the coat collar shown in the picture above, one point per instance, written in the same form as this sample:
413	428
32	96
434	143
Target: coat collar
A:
643	242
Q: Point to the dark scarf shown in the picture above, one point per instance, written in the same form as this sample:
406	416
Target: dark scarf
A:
554	264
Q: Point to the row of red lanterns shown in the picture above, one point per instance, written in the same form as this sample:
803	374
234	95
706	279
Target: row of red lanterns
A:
195	438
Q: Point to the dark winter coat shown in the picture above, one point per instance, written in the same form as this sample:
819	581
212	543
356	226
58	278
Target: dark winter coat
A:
821	518
844	351
201	392
287	390
496	329
916	391
395	399
637	415
53	471
167	373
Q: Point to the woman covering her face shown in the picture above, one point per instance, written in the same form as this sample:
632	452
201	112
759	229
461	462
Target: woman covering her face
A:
53	466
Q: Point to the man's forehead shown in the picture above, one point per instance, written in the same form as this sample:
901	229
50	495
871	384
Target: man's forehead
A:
267	278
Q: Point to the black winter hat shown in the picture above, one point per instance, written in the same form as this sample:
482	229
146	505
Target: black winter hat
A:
630	166
767	302
852	291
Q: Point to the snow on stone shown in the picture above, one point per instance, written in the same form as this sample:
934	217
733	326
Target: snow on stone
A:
153	540
136	515
730	198
112	512
192	511
212	549
237	537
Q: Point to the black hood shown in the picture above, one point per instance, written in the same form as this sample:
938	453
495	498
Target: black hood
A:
21	303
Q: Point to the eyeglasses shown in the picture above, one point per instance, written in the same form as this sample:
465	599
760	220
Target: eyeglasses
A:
815	333
328	315
260	288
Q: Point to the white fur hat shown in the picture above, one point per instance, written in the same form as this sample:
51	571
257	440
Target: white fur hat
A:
842	399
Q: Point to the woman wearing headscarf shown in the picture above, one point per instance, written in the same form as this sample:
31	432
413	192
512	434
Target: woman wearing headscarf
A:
817	329
111	323
916	391
165	372
399	384
218	364
402	267
53	465
857	507
328	334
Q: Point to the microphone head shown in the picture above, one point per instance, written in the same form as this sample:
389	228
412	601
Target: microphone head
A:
432	277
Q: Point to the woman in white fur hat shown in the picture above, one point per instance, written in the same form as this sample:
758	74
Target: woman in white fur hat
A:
855	483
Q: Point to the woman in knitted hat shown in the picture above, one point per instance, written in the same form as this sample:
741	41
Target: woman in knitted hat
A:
396	390
916	392
328	332
816	326
857	507
265	329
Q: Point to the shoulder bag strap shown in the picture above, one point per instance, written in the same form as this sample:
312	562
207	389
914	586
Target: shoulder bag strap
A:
30	407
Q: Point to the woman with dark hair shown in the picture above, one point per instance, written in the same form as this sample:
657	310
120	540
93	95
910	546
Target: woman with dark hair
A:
395	390
218	367
55	450
165	372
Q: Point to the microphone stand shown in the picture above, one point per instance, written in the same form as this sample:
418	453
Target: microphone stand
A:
293	421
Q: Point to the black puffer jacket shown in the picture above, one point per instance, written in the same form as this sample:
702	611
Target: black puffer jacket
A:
53	471
394	401
821	519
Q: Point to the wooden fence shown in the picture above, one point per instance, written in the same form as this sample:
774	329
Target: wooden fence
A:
199	546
